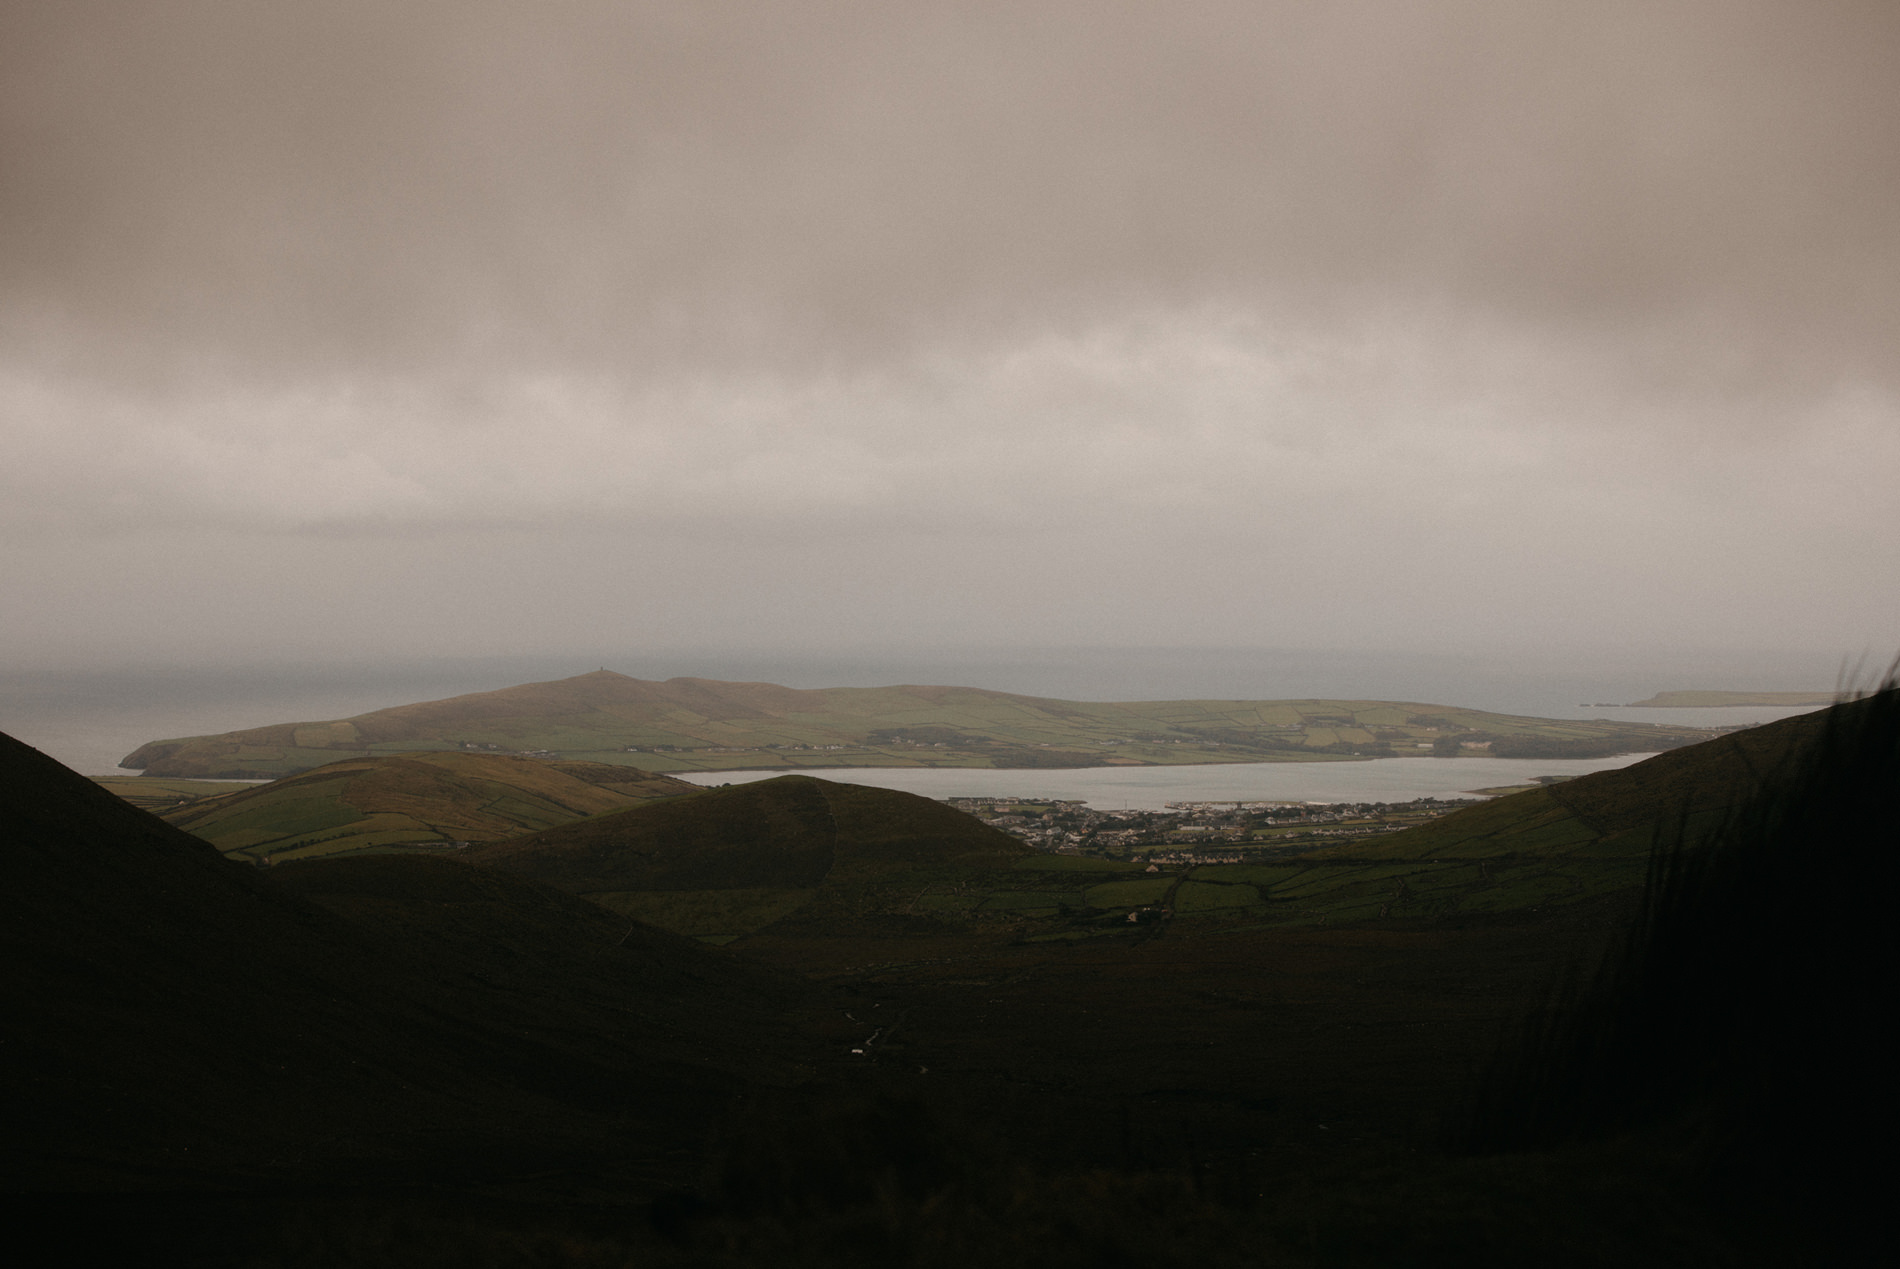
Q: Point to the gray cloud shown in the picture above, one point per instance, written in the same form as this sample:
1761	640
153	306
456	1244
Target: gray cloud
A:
1558	319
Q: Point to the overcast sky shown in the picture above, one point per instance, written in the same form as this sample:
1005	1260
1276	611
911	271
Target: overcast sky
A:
480	329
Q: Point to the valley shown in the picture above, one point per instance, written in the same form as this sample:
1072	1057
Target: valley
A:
771	1022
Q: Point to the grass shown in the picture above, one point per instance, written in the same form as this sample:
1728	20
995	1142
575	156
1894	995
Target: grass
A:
707	914
151	793
1739	1019
1204	896
1258	1080
1076	863
434	799
1129	894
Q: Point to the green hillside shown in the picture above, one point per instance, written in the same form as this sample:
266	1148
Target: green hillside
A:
785	862
158	794
1552	846
686	724
420	799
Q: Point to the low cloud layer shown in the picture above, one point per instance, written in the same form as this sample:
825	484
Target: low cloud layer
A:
495	328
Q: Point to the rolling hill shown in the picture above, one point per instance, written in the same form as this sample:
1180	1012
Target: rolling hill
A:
774	863
479	1059
687	724
415	800
729	862
1563	844
178	1022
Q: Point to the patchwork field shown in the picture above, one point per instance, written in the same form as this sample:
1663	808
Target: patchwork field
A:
423	800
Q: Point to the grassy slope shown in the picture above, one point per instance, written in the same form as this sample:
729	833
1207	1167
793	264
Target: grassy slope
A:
1581	843
1735	1016
159	794
177	1021
1561	844
417	799
722	726
1288	1070
727	862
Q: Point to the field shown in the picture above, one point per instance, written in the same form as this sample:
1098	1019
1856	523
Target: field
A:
1575	844
704	725
420	801
157	794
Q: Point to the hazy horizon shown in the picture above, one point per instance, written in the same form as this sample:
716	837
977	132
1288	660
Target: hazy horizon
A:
855	334
90	718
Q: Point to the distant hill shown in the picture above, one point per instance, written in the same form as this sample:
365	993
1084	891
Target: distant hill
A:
176	1021
421	799
688	724
730	861
1706	700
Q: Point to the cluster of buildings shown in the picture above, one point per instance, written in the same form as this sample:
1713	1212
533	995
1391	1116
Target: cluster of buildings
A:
1198	832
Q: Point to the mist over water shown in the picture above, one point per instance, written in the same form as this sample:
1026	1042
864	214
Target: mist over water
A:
91	719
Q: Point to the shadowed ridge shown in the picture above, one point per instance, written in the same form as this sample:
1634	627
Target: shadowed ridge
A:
1744	1015
1713	776
882	829
790	831
178	1021
769	833
1691	787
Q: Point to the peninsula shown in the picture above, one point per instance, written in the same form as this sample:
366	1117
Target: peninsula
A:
691	724
1712	700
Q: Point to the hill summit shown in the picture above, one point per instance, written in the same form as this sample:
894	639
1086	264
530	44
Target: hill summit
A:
729	861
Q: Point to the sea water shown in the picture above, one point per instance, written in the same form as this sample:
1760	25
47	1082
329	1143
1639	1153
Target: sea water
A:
1152	788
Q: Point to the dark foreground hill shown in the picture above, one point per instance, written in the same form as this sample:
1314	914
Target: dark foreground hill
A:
175	1021
1282	1082
1743	1019
688	724
413	800
730	861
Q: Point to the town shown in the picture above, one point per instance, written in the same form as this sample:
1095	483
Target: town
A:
1199	832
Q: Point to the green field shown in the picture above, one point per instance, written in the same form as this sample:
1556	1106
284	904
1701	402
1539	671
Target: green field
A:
1544	848
706	725
417	801
157	794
